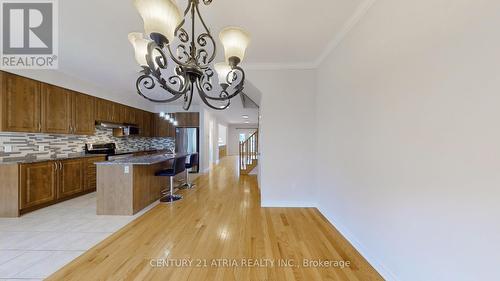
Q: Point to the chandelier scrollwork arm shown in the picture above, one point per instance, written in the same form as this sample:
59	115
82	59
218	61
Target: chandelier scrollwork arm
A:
204	97
232	77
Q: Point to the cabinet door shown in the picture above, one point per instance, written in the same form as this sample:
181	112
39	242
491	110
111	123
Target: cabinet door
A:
161	127
20	101
188	119
103	110
37	184
133	116
124	114
91	172
146	124
83	114
115	112
71	174
56	110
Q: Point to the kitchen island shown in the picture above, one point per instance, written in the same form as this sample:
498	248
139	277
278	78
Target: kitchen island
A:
126	186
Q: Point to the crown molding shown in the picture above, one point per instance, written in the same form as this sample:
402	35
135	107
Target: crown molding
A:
278	66
358	14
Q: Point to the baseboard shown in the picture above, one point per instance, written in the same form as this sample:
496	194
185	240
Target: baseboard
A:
381	269
286	204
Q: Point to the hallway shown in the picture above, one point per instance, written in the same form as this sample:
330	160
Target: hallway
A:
220	232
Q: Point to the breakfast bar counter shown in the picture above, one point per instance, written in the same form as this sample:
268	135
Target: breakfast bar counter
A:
126	186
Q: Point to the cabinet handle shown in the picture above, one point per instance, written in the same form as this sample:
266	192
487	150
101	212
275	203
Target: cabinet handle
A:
55	164
60	166
39	127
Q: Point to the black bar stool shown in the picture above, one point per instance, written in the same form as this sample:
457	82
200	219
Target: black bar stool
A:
193	161
178	167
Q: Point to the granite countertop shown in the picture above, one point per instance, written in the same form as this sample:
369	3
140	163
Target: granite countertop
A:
143	160
124	152
52	158
75	156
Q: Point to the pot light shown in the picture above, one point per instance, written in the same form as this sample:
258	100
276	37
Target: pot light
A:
245	116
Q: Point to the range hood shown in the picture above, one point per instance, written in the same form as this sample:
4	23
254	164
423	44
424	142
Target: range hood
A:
119	129
109	125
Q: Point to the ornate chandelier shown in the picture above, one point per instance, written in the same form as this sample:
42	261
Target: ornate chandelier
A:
166	39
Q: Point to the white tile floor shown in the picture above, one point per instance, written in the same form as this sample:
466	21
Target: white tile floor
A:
39	243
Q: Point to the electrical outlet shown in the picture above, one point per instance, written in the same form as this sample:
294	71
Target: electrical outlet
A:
126	169
41	148
7	148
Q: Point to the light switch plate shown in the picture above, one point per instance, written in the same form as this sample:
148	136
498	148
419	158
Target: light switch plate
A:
126	169
41	148
7	148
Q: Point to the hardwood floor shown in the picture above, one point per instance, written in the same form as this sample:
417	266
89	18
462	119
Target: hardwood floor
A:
220	222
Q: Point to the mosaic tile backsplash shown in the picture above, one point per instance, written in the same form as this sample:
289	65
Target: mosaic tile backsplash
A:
27	146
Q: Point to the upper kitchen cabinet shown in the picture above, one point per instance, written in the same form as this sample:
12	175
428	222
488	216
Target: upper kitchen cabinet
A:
20	100
163	128
83	117
56	110
103	110
66	112
128	115
187	119
108	111
146	124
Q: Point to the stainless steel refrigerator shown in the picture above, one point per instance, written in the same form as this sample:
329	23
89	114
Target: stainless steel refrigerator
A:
187	140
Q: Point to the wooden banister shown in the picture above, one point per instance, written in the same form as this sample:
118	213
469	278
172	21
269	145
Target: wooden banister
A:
249	151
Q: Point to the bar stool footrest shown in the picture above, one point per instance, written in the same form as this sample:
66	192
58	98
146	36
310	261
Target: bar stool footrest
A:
170	198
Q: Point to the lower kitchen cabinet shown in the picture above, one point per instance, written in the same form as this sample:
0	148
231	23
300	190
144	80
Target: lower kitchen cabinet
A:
71	174
29	186
37	184
91	172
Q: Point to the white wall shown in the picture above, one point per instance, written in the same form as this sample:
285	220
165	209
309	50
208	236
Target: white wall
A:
233	138
209	136
409	139
286	136
222	134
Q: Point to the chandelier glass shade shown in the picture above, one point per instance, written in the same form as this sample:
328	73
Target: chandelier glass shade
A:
177	56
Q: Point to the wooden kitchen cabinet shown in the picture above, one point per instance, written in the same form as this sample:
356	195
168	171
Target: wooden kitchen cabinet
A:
20	100
128	114
31	186
37	184
107	111
163	128
90	182
102	110
83	114
70	176
31	106
66	112
56	110
188	119
147	124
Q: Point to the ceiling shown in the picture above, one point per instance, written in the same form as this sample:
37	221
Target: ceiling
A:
93	44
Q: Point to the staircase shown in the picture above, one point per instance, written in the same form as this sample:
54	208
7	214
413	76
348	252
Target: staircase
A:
249	153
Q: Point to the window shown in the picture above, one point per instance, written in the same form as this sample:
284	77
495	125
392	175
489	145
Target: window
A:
242	137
